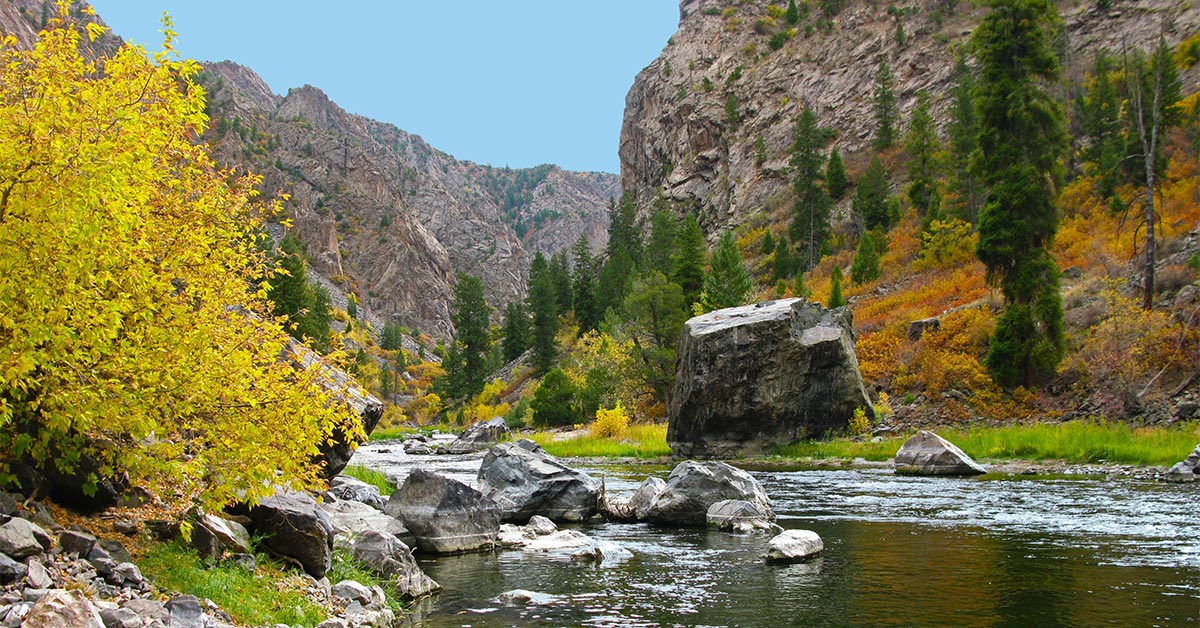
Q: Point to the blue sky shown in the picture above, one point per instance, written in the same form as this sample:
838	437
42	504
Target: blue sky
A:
505	83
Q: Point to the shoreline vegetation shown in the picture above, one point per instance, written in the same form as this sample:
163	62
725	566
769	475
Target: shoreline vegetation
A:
1073	442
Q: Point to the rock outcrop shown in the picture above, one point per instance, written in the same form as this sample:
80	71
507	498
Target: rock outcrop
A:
927	453
527	481
708	124
445	516
693	487
753	377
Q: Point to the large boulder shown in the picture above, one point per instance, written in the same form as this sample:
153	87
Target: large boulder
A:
927	453
794	546
445	516
293	526
352	519
527	481
753	377
21	539
693	487
388	557
735	515
479	437
1185	470
354	489
336	452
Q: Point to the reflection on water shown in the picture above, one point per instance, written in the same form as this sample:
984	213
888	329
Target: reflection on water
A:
899	551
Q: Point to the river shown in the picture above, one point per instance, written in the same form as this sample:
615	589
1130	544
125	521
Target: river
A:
996	550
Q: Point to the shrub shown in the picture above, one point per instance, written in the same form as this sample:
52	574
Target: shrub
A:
859	423
554	401
610	423
947	244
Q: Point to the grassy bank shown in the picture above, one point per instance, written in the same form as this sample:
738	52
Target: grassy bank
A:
378	479
639	441
1076	442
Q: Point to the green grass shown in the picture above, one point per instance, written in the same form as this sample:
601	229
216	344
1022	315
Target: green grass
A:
375	478
1075	442
391	433
253	598
640	441
345	567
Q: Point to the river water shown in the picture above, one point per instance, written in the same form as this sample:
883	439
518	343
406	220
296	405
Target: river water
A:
997	550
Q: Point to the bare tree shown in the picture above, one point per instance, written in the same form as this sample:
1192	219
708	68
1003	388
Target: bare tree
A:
1148	137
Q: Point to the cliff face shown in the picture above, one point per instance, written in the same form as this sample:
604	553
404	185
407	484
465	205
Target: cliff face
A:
694	115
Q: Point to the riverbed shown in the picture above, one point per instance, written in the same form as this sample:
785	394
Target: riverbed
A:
992	550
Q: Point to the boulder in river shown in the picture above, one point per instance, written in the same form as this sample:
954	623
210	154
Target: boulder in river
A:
352	519
527	481
389	557
354	489
693	487
927	453
794	546
445	516
754	377
735	515
479	436
1185	470
293	526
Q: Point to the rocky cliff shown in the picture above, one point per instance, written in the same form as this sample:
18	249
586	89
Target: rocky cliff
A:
709	122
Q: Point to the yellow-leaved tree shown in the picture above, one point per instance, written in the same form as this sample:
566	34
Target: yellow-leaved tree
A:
134	326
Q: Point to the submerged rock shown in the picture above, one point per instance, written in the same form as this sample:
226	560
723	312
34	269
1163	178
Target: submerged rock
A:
754	377
527	481
693	487
445	516
927	453
479	437
793	546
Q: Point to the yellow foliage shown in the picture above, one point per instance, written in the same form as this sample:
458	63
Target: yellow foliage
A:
424	409
597	356
947	244
859	423
487	404
131	329
610	423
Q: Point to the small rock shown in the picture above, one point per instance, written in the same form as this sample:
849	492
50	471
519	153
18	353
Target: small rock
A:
353	489
540	526
417	448
149	610
644	496
120	618
128	528
793	546
735	515
15	614
19	539
233	536
918	328
1180	473
352	590
333	622
129	574
185	612
11	570
246	562
927	453
75	542
8	504
37	576
522	597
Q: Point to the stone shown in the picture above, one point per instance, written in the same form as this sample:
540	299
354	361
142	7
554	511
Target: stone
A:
18	539
479	436
11	570
918	328
60	608
644	496
735	515
927	453
15	616
76	542
233	536
1180	473
389	557
353	591
602	554
417	448
36	575
185	611
1186	410
445	516
293	526
336	451
128	574
115	550
523	597
347	488
693	487
754	377
527	481
350	519
101	560
150	610
334	622
540	526
8	504
245	562
120	618
794	546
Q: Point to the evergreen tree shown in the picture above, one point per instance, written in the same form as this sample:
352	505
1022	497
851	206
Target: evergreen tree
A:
865	266
1100	120
623	231
392	338
663	227
560	276
516	330
467	373
768	243
786	263
314	323
351	305
687	265
727	282
543	308
922	146
835	288
657	311
554	400
810	217
583	285
792	15
290	292
872	203
613	283
886	109
963	131
835	176
1022	139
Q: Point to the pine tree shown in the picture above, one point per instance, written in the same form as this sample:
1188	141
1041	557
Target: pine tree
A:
687	265
583	285
1100	120
1022	139
810	216
560	276
835	288
922	146
314	323
554	400
872	203
886	110
768	243
663	227
865	266
727	282
392	338
613	282
785	264
657	311
516	330
351	305
623	231
290	292
469	314
792	15
835	176
963	131
543	309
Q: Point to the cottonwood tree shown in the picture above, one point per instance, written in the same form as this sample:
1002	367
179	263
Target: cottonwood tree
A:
135	329
1022	139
